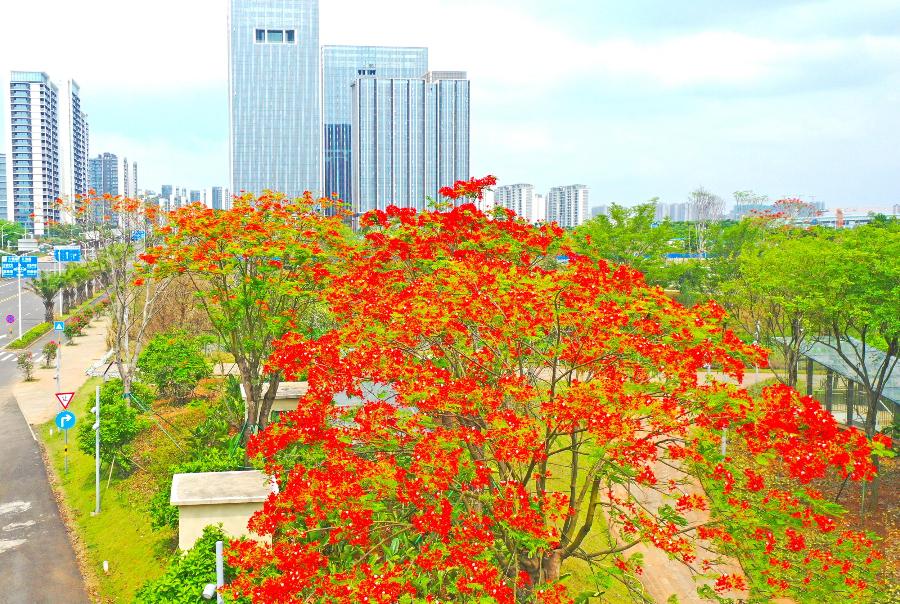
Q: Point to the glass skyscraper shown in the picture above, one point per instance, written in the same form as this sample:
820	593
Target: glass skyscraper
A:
75	145
341	67
410	137
275	118
34	154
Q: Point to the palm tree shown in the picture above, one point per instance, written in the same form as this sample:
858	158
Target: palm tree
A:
46	287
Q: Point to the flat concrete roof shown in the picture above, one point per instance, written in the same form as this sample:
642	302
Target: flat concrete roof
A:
286	390
210	488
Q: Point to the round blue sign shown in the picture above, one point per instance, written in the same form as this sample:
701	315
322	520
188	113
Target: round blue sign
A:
65	420
10	319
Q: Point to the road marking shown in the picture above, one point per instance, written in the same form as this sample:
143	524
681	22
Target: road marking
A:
17	525
6	357
14	507
8	544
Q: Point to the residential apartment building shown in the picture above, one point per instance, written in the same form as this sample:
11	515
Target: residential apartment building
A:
33	158
568	205
103	174
275	119
3	193
74	142
218	198
521	199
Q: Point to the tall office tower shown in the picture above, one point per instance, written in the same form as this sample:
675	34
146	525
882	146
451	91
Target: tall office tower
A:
275	112
34	157
3	193
410	137
166	191
196	196
521	199
568	206
449	93
126	182
218	198
104	174
134	184
341	67
73	143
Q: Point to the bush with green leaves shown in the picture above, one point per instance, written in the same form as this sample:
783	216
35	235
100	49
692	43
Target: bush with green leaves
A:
162	513
120	422
187	573
174	363
26	365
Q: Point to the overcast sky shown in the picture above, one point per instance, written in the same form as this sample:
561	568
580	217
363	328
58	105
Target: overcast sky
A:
636	98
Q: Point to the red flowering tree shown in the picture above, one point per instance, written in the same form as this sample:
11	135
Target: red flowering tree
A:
522	404
253	268
116	230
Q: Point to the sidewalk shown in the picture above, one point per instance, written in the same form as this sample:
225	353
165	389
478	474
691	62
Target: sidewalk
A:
37	399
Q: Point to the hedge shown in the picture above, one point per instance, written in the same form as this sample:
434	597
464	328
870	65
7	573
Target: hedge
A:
30	336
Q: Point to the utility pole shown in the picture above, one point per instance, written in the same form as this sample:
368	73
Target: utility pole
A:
96	427
19	270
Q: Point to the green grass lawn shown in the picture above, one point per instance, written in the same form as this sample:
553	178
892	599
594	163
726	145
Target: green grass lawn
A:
578	571
121	534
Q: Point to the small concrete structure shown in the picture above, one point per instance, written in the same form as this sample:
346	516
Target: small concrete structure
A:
229	498
288	395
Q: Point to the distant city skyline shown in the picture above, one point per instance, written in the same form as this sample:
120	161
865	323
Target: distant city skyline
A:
636	100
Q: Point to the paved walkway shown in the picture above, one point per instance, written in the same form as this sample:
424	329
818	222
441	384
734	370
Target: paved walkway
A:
37	399
37	564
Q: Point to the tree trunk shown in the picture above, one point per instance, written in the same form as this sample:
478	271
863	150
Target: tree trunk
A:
48	311
545	568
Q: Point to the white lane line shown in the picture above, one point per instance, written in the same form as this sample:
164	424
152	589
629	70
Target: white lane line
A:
6	357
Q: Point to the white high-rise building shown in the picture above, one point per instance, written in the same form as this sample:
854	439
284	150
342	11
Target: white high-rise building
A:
568	205
73	144
33	158
521	199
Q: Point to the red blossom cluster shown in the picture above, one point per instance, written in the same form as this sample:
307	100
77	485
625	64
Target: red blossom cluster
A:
472	188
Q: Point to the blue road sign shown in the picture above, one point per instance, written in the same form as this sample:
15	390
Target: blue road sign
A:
138	235
59	325
67	254
65	420
19	266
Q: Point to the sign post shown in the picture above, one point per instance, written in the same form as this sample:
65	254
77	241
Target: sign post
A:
64	421
59	326
96	427
18	267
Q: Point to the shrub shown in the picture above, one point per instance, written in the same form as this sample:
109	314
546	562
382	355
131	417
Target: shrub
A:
187	573
119	424
174	363
26	365
162	513
49	352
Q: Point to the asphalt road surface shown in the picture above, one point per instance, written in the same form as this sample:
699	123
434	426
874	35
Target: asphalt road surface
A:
37	563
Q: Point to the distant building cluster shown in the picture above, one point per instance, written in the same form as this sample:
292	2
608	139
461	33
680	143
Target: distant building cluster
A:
371	125
566	205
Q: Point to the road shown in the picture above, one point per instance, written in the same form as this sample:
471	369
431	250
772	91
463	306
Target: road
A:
32	309
36	557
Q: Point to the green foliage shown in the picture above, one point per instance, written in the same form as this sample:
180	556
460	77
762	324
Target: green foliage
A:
223	421
162	513
119	424
630	236
187	574
12	232
174	363
26	365
30	336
